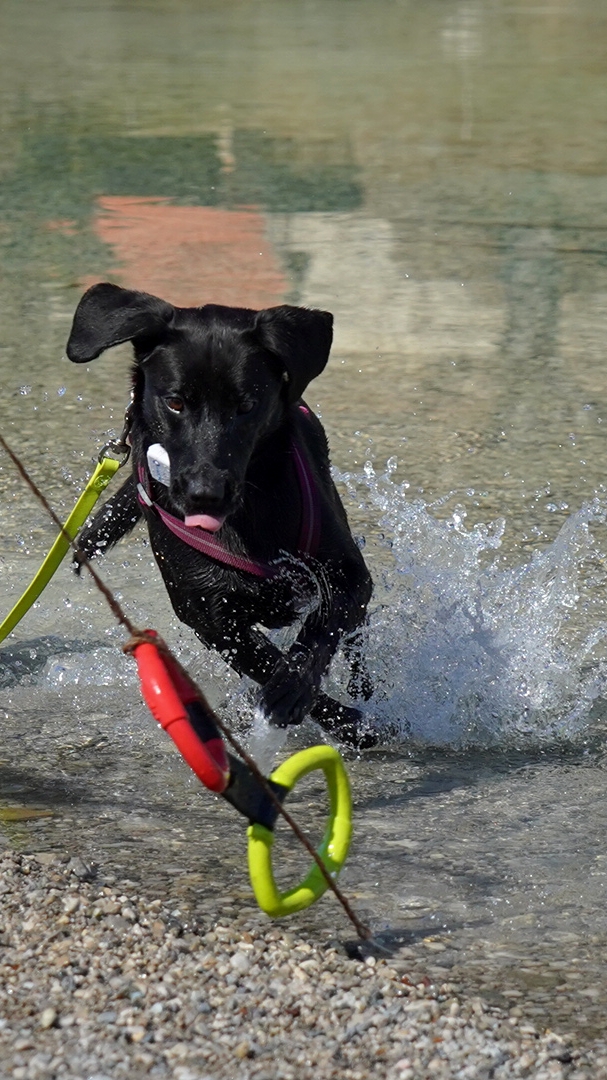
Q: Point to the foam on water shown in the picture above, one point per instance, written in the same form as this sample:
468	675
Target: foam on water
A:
466	650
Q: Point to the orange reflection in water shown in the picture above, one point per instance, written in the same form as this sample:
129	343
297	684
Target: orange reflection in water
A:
190	255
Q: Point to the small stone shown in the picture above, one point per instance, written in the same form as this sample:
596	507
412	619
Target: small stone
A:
108	906
309	965
46	858
116	923
242	1050
48	1017
435	1065
80	869
240	962
23	1044
71	904
143	1058
135	1033
108	1017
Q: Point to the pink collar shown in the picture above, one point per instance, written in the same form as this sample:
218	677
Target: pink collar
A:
208	544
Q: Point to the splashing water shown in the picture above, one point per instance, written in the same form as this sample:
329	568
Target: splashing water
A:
463	647
464	650
265	741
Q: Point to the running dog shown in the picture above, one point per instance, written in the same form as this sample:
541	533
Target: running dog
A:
231	472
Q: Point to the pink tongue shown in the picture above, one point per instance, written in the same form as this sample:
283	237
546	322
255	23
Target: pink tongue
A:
205	521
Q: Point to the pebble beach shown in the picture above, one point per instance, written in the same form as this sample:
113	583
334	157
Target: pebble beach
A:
98	982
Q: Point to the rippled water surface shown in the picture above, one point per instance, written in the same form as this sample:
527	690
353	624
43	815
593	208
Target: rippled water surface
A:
435	175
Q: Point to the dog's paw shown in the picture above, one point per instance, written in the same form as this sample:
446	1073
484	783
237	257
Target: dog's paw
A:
344	722
287	704
289	694
292	693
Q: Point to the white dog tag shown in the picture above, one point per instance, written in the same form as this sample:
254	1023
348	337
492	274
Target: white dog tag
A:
159	464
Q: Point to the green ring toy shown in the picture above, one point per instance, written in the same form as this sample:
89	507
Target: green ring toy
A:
333	848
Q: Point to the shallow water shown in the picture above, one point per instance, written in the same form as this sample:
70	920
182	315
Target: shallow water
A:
434	175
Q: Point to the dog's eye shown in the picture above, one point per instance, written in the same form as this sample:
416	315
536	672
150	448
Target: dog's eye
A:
175	404
246	406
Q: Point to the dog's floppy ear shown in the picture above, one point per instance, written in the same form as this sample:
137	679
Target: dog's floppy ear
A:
108	315
301	339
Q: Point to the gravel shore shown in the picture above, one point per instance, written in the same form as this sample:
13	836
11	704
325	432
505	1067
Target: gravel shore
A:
98	982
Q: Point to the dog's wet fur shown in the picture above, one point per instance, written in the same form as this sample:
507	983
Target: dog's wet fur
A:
219	388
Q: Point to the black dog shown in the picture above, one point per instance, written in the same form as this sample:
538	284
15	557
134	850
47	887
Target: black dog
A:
219	389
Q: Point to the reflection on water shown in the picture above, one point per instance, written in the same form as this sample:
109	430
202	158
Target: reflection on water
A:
434	174
188	251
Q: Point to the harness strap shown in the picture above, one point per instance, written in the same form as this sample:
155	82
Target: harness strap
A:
309	534
200	539
205	542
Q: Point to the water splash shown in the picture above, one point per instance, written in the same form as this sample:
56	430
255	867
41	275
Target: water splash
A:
465	647
102	666
265	742
465	650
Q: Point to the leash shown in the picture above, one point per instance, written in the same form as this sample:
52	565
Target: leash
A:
104	471
181	708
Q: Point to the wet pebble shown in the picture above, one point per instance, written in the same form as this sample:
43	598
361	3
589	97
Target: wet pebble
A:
100	982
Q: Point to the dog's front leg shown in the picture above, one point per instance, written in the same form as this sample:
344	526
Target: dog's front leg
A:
289	683
247	650
250	653
293	689
115	519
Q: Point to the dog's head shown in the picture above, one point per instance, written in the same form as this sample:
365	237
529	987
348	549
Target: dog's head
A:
210	383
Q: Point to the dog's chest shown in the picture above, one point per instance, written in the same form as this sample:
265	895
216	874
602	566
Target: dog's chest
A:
216	594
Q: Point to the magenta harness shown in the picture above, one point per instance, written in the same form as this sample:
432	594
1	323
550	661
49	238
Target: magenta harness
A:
201	540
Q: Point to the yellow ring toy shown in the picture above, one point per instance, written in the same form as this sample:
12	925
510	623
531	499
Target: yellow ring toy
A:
332	850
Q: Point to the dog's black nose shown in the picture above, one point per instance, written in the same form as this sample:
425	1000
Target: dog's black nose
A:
208	490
